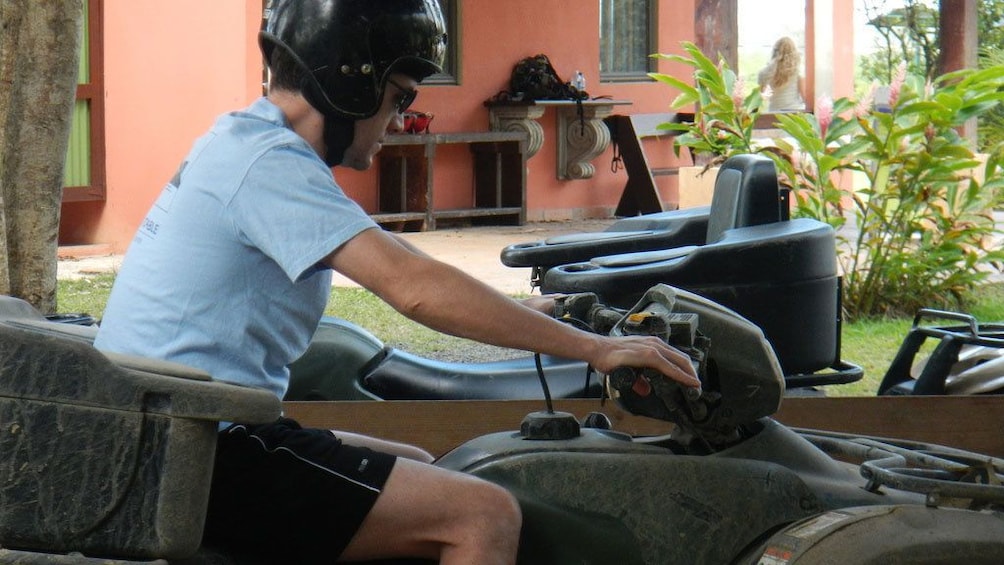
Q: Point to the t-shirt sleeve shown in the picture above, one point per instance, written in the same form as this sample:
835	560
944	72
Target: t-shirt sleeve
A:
289	206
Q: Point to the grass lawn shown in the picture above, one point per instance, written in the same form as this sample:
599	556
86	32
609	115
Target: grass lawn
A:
868	343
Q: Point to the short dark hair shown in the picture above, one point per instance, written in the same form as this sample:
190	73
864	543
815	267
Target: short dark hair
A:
285	73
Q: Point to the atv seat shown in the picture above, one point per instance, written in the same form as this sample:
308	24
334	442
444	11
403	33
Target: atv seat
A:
780	274
403	376
967	359
746	194
346	362
106	455
20	314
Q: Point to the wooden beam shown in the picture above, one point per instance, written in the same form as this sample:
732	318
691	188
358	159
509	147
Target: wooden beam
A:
974	423
957	41
716	30
959	45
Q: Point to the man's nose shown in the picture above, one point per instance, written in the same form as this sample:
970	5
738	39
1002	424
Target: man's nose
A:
396	124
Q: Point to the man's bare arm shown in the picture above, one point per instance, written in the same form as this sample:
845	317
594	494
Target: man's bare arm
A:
446	299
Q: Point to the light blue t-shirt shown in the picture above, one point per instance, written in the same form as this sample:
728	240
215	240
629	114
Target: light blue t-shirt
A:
224	273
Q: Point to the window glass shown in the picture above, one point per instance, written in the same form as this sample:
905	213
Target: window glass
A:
451	65
626	39
84	172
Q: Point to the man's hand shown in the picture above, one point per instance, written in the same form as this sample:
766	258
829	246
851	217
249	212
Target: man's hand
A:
645	352
631	351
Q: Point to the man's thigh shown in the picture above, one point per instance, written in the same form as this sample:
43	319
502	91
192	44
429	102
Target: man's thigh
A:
293	494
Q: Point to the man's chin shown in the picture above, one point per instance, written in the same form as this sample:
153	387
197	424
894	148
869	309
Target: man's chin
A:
357	162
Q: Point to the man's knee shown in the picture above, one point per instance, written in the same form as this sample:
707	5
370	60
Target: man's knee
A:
494	508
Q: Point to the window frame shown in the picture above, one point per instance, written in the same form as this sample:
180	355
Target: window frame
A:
91	92
652	32
451	65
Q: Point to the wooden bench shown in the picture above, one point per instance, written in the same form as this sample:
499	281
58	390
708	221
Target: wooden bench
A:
627	133
441	425
406	165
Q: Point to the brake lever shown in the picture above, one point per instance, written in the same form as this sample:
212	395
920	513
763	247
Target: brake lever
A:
648	392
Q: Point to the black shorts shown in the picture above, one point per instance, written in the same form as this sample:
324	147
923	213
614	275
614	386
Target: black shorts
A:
285	494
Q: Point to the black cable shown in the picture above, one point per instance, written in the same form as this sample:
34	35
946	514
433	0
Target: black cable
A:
585	389
543	383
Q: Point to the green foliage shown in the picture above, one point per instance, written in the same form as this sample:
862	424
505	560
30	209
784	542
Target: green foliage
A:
724	113
924	224
991	124
990	21
908	34
903	175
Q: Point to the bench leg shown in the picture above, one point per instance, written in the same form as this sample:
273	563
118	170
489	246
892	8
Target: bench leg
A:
638	198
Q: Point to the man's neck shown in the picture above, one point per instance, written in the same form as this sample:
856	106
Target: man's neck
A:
303	118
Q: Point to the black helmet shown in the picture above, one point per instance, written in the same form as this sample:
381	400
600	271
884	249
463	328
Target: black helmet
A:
348	48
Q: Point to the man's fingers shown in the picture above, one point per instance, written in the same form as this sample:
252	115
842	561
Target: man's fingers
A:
668	360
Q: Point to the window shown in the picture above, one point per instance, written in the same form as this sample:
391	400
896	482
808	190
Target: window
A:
451	65
84	177
626	39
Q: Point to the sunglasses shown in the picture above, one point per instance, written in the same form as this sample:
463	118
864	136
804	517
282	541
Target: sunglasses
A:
408	96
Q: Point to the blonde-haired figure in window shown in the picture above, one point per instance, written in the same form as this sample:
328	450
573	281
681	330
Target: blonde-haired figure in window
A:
783	77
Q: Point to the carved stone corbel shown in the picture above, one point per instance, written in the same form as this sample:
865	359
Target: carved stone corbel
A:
581	139
519	118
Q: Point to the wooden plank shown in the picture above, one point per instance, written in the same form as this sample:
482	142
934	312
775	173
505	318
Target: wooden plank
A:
647	125
398	217
476	212
458	137
974	423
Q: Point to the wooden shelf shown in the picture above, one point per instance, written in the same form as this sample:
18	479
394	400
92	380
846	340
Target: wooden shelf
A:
465	212
406	168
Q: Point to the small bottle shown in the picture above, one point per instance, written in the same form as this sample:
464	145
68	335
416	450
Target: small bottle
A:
580	81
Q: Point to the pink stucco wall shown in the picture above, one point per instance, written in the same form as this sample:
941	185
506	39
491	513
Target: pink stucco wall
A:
495	35
170	68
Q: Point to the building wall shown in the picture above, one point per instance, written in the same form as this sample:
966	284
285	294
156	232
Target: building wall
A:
190	60
170	68
567	31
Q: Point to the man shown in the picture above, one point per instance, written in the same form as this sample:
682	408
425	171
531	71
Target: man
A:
231	270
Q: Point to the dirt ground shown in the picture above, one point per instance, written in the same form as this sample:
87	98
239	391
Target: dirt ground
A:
474	250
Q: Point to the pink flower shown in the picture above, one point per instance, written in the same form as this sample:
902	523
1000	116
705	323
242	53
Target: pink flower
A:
824	114
738	92
864	106
897	83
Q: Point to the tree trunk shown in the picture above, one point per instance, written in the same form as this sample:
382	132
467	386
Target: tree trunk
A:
39	49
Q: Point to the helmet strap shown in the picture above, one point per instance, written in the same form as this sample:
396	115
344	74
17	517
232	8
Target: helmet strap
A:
338	134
